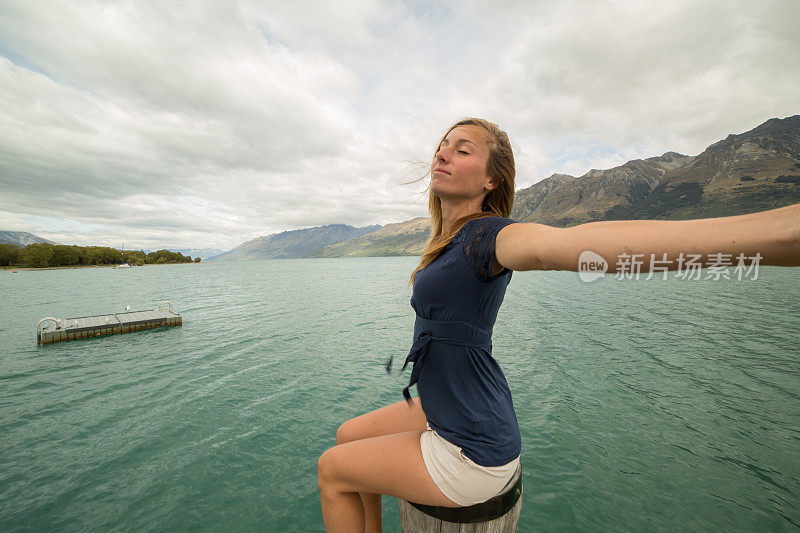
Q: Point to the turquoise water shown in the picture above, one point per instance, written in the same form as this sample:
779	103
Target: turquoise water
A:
644	405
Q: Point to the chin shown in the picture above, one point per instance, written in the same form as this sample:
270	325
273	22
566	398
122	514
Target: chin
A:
437	191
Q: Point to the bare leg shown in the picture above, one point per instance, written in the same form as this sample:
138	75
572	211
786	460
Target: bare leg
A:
394	418
372	512
389	464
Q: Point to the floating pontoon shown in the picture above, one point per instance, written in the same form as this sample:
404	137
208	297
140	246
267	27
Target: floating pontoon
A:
51	329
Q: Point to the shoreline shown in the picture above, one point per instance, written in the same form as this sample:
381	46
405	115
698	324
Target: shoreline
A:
87	266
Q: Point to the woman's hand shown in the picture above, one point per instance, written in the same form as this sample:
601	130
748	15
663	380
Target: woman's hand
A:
773	234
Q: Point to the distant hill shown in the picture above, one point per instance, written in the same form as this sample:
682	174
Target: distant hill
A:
202	253
401	238
21	238
295	243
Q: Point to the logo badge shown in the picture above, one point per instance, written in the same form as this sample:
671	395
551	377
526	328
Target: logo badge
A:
591	266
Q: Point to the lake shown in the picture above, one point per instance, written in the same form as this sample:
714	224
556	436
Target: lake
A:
658	405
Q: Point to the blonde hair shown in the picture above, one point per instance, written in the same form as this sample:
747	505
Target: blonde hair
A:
498	201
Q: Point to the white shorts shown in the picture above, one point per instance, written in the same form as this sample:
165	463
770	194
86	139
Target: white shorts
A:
457	476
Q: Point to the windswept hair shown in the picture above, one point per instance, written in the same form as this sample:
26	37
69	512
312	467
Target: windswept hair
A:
498	201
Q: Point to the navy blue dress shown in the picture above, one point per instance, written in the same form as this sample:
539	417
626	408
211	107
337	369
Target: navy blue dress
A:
462	390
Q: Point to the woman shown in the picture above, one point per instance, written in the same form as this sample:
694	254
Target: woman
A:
458	443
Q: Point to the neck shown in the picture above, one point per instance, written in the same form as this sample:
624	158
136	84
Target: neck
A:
452	211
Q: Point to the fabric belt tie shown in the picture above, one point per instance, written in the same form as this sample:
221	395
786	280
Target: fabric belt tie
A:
420	348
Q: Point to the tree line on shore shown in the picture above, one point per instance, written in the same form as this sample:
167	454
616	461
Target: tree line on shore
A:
43	255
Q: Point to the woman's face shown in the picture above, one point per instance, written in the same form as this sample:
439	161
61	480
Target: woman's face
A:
459	167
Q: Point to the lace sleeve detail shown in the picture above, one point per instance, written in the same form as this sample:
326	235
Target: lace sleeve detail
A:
479	245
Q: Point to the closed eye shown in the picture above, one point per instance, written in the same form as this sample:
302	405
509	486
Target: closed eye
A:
462	152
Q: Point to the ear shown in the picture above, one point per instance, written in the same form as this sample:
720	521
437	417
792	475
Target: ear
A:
490	184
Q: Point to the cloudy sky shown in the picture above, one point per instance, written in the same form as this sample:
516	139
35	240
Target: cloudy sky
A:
192	124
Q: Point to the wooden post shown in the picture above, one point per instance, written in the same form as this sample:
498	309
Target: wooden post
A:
499	514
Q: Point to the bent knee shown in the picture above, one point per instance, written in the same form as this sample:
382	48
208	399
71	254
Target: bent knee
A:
356	428
326	469
346	432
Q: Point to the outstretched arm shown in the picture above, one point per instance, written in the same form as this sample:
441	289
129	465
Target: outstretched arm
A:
774	234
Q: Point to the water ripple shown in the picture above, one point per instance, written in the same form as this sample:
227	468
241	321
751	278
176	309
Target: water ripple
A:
633	399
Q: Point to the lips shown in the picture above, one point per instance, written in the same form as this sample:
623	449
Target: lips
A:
437	169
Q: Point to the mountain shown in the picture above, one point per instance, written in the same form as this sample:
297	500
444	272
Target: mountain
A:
21	238
752	171
401	238
202	253
296	243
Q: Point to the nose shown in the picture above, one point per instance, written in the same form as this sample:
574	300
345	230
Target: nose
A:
442	154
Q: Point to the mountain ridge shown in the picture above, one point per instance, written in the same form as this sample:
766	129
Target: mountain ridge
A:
294	243
22	238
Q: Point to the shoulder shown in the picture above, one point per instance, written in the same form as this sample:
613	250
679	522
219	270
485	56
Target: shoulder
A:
492	221
480	228
478	241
